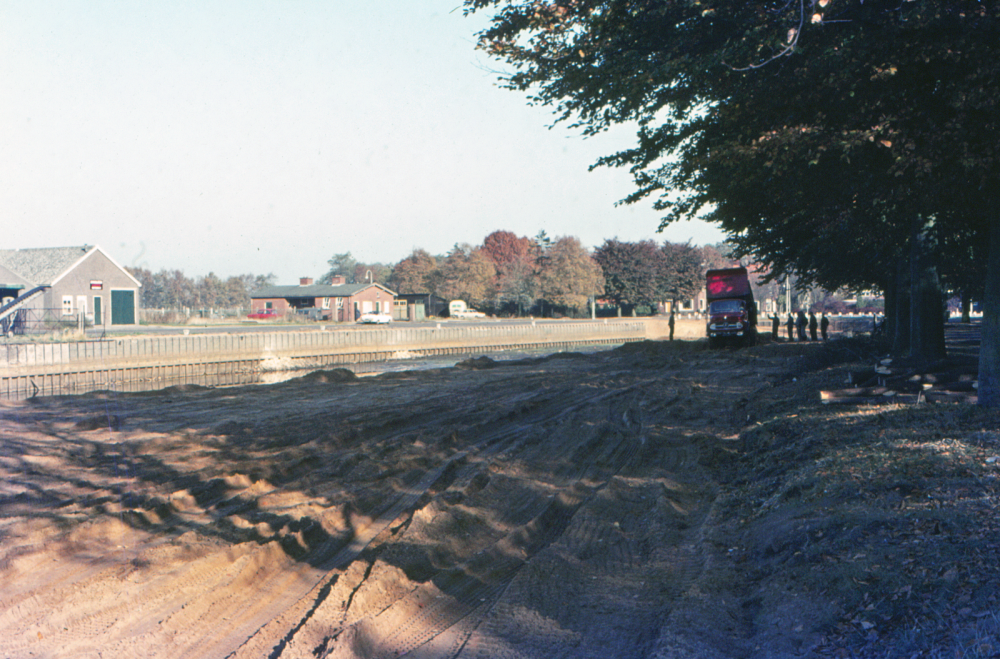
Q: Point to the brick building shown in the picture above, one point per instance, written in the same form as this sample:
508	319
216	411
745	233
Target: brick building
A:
336	301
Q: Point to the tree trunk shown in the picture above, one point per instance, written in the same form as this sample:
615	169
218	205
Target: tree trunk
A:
901	310
989	351
966	307
890	297
926	301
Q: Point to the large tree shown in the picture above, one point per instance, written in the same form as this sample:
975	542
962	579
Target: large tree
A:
515	259
505	248
467	274
414	274
517	283
343	265
371	272
681	274
569	276
833	138
632	271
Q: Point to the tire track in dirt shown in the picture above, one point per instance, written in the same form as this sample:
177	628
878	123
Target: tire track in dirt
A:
445	610
443	626
613	554
541	509
333	566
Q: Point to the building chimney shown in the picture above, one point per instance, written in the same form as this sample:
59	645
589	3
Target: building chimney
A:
337	280
305	281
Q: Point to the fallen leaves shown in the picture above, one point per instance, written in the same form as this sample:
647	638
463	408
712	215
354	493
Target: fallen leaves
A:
907	495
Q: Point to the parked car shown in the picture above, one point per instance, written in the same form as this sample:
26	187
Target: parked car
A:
376	318
313	313
264	314
458	309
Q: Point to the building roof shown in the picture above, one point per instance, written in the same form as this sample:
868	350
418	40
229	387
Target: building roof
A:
314	290
419	296
44	266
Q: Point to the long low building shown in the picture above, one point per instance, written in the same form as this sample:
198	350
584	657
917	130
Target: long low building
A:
337	301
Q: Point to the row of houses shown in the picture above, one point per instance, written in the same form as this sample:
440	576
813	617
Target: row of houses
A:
65	283
70	283
84	282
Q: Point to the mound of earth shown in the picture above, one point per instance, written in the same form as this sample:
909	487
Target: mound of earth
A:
658	501
331	375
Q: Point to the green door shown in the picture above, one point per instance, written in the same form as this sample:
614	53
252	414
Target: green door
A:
97	311
123	307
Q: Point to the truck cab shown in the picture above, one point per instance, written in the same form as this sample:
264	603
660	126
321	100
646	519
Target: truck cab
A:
732	312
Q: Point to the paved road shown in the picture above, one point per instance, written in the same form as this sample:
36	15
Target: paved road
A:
243	328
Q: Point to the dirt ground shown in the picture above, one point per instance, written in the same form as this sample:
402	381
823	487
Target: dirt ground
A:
660	501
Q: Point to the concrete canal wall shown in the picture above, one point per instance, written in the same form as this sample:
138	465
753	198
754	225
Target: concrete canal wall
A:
139	363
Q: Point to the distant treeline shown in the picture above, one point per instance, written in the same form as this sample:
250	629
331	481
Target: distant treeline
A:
512	275
170	289
508	275
505	275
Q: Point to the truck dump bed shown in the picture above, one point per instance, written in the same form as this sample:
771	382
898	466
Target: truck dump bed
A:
728	283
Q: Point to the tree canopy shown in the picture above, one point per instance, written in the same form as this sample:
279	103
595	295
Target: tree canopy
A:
505	249
569	277
682	274
507	274
837	139
343	265
632	271
414	274
467	274
171	289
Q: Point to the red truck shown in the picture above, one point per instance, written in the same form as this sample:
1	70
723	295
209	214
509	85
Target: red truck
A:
732	312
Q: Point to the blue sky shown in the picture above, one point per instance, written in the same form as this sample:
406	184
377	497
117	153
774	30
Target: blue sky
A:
241	136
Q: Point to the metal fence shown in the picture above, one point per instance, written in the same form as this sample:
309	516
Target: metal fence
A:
173	316
54	368
40	321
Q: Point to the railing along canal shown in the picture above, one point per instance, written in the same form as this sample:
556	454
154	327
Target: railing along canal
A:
146	363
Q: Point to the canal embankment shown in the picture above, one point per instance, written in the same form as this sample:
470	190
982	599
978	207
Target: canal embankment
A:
147	362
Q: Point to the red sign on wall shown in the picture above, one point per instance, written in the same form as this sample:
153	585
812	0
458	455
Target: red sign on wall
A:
96	285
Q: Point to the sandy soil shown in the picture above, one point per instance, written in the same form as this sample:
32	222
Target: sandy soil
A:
551	508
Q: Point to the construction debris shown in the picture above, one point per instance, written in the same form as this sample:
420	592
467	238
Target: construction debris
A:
900	384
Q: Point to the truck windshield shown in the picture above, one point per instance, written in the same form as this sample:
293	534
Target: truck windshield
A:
725	306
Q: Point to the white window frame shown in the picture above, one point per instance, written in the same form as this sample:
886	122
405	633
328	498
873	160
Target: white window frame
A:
67	305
